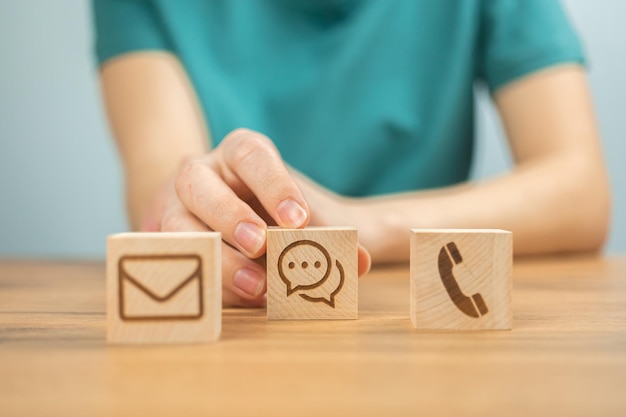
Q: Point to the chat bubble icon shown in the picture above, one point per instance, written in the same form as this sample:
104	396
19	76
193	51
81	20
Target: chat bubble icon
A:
305	266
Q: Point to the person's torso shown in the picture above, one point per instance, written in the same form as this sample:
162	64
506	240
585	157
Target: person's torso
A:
364	96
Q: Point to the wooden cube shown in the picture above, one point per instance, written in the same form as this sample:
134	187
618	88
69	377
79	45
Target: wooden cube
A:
461	279
312	273
164	287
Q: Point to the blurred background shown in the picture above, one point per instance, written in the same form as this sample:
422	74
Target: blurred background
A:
61	189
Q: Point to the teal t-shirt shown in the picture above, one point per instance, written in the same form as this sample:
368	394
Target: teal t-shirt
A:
364	96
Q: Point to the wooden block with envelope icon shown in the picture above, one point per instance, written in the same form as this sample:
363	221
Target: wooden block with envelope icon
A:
164	287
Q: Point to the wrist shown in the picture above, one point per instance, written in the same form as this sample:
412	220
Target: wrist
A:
371	225
384	227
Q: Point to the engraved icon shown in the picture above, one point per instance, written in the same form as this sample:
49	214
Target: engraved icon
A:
161	287
473	306
306	267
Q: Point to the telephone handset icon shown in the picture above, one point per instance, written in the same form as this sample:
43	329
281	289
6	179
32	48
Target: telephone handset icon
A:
473	306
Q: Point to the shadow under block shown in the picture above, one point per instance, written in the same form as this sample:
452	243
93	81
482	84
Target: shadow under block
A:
312	273
461	279
164	287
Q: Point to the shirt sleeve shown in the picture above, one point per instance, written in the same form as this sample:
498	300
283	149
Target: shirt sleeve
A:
519	37
123	26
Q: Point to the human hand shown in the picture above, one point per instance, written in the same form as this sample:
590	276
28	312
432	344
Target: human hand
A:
238	189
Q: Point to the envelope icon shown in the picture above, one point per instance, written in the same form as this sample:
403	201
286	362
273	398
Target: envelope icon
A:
160	287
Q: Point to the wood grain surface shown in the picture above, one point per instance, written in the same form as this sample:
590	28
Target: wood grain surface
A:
566	354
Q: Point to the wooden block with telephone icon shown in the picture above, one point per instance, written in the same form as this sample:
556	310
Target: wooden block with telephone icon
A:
461	279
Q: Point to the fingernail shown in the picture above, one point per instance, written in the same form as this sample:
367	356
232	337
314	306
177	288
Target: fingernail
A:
250	236
291	213
249	281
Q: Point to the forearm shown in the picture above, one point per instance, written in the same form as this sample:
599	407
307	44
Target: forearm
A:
149	171
556	199
157	125
551	205
145	191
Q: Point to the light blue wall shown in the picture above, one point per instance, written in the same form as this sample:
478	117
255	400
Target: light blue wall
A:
59	176
60	180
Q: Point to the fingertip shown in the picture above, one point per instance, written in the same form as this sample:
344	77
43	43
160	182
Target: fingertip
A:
250	282
251	238
365	261
292	214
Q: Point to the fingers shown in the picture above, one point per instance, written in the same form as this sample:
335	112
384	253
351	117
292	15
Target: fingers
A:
243	280
250	161
237	190
245	166
365	261
210	199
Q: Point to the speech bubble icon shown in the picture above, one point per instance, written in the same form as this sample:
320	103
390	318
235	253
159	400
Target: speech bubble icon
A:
323	292
306	266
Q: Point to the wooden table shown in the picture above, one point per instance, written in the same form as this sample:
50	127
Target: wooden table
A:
565	356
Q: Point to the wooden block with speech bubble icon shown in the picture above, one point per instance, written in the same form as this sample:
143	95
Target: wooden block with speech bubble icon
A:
312	273
164	287
461	279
